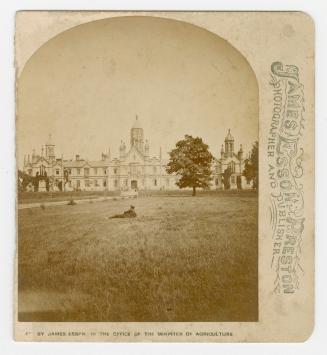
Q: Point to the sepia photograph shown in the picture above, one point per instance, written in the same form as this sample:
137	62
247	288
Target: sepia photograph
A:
137	174
159	178
164	176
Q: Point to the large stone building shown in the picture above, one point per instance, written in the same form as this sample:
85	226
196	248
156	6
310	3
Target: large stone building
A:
133	169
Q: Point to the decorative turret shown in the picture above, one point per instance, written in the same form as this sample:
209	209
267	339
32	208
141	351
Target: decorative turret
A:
240	153
33	156
147	149
229	144
104	156
137	139
122	149
222	152
49	149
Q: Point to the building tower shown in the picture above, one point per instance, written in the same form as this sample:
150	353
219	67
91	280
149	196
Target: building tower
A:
49	149
229	145
137	139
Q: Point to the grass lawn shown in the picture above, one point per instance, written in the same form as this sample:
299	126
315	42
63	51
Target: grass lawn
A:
183	258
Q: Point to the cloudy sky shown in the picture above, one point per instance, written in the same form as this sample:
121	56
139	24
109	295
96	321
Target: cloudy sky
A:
86	85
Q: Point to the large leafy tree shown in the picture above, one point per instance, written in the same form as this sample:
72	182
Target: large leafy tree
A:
191	160
251	169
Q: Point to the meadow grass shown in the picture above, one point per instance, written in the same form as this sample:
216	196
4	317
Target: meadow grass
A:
182	259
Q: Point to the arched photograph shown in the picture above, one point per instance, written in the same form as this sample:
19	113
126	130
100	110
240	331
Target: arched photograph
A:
137	176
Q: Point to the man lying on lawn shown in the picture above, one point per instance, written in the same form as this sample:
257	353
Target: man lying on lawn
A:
127	214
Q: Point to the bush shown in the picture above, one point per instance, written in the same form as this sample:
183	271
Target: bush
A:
42	206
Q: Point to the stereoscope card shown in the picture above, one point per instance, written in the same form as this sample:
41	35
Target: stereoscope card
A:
165	176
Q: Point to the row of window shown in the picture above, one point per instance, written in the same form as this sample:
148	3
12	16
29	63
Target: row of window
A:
86	171
154	182
96	183
89	183
231	165
133	170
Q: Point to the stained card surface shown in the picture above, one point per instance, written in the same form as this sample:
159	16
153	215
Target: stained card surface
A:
165	176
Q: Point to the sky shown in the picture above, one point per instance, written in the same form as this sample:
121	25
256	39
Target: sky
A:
86	85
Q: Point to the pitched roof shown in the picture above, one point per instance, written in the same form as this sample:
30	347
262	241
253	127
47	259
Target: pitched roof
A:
39	159
74	163
82	163
99	163
132	150
220	160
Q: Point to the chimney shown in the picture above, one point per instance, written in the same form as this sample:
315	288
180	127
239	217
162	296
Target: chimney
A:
77	156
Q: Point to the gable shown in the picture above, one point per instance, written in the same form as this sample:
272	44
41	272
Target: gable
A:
57	165
230	159
134	156
86	165
41	161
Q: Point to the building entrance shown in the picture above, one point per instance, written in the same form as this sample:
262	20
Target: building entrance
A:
134	184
